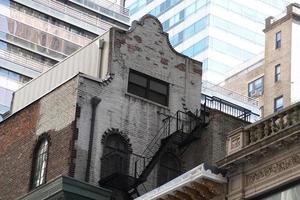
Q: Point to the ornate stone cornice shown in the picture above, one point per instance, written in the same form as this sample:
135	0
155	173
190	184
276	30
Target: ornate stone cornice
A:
266	136
200	181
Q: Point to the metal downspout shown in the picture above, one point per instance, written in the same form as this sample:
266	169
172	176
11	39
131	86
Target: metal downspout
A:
101	45
94	102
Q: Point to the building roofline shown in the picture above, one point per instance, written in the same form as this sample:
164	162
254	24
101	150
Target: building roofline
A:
141	22
292	12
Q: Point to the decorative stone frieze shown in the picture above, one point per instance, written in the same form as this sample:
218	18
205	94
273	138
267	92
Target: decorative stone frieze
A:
273	169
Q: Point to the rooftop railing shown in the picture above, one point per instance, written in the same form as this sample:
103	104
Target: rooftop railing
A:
229	93
67	10
52	29
24	61
263	129
293	8
106	7
228	108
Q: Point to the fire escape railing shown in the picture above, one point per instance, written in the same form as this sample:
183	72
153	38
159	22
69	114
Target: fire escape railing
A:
228	108
134	169
182	123
176	129
128	164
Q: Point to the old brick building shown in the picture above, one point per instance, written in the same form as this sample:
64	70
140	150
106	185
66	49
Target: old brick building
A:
122	112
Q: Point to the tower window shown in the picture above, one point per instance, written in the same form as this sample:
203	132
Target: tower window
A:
256	87
278	40
278	104
277	73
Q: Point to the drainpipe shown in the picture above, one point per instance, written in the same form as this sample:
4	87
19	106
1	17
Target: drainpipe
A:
94	102
101	45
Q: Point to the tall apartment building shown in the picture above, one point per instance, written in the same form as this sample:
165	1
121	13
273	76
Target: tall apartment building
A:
36	34
221	34
273	78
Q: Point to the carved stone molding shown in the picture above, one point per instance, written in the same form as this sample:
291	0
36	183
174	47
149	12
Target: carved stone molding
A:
273	169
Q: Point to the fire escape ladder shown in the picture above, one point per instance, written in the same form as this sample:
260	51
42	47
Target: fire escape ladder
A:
175	130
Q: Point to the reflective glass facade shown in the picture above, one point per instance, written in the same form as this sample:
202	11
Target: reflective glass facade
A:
222	34
9	81
35	35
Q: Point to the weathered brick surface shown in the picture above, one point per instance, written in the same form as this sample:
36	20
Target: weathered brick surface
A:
54	115
140	119
211	145
68	108
17	141
60	152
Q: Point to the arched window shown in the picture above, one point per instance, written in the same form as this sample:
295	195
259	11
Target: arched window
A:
40	163
115	159
169	168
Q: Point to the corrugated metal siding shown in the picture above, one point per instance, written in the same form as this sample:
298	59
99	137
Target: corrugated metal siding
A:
84	60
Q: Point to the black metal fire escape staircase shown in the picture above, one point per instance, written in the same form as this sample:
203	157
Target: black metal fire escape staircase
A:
179	129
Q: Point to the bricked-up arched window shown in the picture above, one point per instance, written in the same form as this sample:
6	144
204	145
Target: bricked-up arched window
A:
115	159
169	168
40	163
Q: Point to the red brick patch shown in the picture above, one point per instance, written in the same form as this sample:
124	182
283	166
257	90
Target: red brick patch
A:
180	66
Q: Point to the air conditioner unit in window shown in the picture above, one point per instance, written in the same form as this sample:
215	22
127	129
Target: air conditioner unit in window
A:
256	93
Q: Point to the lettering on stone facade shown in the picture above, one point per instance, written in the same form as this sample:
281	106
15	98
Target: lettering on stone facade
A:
273	169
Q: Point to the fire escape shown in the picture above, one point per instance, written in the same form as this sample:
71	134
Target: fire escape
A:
180	130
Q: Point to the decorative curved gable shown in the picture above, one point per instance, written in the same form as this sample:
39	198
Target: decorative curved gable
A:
156	27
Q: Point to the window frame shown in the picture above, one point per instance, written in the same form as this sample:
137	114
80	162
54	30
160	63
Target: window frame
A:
277	75
147	89
253	82
36	156
278	38
281	107
109	164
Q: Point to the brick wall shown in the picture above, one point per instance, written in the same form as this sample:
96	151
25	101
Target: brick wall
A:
19	135
17	142
211	145
145	48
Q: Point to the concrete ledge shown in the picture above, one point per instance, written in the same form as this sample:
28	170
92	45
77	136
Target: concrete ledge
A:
67	188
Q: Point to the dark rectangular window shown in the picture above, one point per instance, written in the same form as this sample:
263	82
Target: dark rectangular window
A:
148	87
278	40
277	73
278	104
256	87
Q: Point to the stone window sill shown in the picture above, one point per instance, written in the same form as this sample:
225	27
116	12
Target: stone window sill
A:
147	100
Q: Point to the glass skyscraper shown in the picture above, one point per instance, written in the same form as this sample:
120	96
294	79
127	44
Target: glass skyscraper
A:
36	34
220	33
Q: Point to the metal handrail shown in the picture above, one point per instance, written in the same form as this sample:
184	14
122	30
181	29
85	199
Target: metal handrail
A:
67	10
85	40
29	63
106	7
185	122
224	91
135	161
227	107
